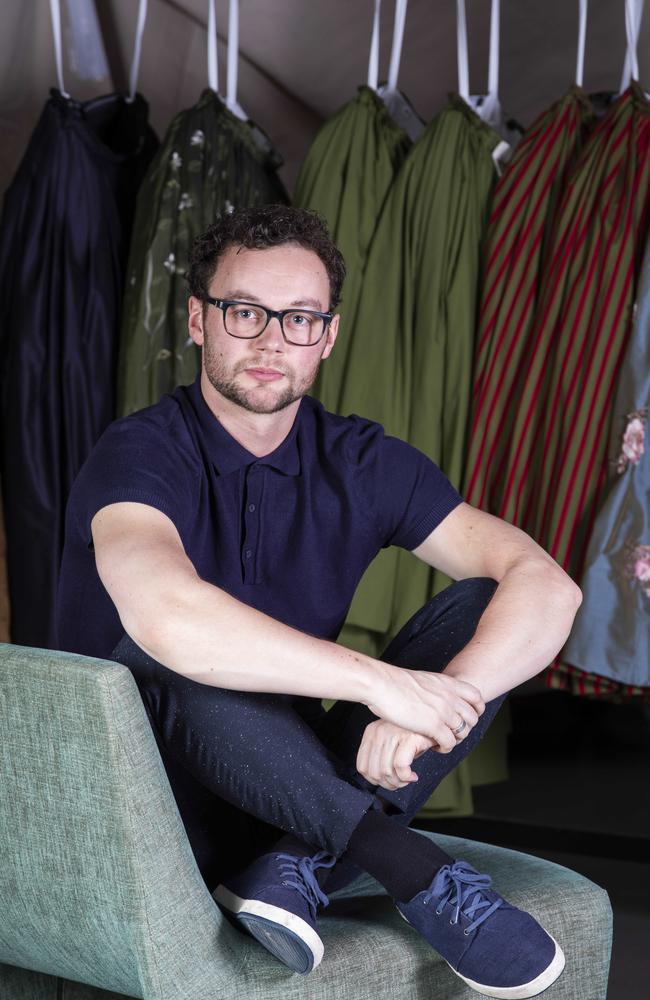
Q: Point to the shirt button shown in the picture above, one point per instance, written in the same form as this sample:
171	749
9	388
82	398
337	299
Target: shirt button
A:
251	507
248	553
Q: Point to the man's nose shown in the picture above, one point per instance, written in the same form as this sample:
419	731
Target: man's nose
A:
271	337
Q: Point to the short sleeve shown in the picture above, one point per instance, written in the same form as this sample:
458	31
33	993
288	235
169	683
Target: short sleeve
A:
134	460
406	493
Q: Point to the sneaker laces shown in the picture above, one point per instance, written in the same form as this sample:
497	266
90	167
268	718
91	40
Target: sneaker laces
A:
465	882
302	877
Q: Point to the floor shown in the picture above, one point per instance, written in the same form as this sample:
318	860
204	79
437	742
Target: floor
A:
579	794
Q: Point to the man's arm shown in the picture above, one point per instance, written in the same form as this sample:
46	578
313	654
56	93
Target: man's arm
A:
198	630
531	613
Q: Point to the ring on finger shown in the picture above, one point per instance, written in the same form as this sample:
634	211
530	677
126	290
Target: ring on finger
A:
460	729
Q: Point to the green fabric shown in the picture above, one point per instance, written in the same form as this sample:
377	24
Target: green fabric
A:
346	176
209	163
98	884
412	335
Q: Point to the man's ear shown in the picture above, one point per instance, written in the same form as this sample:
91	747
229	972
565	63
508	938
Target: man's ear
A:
195	320
330	336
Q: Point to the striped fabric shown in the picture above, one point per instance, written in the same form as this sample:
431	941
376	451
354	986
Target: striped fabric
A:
549	438
518	227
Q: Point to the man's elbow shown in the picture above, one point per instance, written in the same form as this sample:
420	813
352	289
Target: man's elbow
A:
153	624
552	581
566	589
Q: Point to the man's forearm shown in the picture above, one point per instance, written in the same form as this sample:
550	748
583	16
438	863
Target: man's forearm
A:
524	626
213	638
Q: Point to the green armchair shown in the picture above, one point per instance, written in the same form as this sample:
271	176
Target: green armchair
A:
101	897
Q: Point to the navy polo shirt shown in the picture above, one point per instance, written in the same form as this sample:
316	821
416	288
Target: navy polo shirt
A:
290	533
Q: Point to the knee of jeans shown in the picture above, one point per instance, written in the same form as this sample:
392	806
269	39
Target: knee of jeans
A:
474	590
129	653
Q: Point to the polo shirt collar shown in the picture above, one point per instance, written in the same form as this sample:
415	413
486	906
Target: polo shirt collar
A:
227	454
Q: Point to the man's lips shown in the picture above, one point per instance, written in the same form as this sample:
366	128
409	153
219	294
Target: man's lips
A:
265	374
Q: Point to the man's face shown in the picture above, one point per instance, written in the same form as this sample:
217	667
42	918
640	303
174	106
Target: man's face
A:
264	374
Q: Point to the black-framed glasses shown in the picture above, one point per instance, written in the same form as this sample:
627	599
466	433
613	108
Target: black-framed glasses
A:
246	320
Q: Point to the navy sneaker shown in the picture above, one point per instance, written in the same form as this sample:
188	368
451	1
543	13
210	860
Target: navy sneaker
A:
275	898
497	949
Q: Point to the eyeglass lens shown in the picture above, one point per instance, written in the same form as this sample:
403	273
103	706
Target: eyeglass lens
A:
300	327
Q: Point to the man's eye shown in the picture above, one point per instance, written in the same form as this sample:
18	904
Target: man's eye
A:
244	313
300	319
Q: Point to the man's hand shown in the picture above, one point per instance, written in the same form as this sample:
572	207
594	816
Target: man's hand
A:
387	752
426	703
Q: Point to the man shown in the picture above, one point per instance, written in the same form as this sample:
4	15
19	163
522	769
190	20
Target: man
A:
213	544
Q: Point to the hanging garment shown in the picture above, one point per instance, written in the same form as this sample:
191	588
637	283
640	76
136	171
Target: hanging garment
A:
611	634
346	176
210	162
523	209
412	335
555	456
63	245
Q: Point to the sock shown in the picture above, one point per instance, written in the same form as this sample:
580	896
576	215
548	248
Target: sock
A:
403	861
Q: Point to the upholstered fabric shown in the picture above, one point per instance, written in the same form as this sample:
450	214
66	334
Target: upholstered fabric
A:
101	896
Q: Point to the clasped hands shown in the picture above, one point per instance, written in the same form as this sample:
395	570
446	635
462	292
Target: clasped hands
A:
434	704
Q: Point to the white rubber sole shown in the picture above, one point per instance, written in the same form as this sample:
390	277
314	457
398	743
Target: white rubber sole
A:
286	935
524	990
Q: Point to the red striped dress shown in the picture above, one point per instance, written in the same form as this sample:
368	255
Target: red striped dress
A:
546	457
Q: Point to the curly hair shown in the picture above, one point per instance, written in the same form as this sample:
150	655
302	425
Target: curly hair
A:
260	228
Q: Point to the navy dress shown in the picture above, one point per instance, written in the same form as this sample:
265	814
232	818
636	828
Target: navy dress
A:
64	238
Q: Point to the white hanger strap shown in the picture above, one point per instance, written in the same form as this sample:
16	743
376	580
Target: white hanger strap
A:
55	13
233	53
495	33
398	41
582	38
137	50
213	66
463	60
633	15
373	58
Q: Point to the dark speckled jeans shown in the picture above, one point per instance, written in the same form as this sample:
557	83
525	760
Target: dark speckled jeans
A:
246	766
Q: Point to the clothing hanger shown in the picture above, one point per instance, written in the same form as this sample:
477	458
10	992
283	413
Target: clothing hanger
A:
486	106
55	13
633	16
233	55
582	38
231	102
399	107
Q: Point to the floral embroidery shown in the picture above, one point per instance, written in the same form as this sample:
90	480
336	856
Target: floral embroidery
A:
632	444
198	138
170	264
185	202
163	354
637	566
175	161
